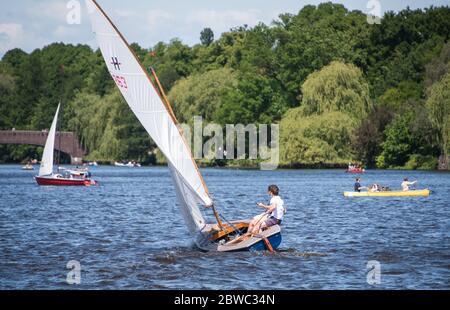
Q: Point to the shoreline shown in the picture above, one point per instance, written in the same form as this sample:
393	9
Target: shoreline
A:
253	167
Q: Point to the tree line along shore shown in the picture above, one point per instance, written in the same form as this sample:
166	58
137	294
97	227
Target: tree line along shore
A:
341	90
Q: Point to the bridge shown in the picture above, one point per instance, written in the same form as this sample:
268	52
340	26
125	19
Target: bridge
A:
69	142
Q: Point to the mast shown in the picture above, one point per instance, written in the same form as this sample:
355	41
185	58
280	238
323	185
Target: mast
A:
154	113
169	106
58	158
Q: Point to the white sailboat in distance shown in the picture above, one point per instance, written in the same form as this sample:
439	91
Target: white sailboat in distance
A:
47	177
155	113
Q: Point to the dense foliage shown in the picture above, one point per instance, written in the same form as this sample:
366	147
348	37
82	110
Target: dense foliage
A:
340	88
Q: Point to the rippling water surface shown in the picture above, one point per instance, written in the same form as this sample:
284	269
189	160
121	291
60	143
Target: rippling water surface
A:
128	234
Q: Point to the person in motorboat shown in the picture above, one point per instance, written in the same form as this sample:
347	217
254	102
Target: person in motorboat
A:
272	216
406	184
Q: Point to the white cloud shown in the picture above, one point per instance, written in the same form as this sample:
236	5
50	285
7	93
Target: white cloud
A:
64	32
156	18
223	20
125	13
49	9
11	36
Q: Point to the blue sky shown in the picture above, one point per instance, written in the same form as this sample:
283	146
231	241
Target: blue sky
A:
30	24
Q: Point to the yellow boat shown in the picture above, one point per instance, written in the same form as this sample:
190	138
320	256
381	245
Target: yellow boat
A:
420	192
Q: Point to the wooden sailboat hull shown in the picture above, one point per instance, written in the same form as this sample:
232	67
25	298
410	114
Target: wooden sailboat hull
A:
254	243
50	181
275	241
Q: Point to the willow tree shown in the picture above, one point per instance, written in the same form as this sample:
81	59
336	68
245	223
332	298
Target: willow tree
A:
107	127
438	105
316	139
336	87
201	94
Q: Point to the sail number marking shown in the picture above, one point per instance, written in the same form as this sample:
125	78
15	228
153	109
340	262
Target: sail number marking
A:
120	81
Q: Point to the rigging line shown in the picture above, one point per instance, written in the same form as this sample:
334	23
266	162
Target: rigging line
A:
61	91
229	223
59	137
172	114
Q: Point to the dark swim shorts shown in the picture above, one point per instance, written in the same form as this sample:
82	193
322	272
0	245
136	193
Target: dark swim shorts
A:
271	221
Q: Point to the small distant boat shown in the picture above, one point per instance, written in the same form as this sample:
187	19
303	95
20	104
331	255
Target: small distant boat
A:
420	192
129	164
28	167
47	177
355	170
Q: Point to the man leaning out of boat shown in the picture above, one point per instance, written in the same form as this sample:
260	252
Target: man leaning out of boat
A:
274	212
406	184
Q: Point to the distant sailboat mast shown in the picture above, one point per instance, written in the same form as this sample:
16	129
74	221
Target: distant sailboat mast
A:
48	155
58	160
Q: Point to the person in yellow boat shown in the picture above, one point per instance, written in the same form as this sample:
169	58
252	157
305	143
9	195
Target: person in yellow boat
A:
406	184
358	186
272	216
375	188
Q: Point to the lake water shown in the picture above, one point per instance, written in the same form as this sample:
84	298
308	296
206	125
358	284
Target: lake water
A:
127	233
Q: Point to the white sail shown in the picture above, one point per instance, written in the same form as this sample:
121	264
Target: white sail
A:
188	202
47	157
136	87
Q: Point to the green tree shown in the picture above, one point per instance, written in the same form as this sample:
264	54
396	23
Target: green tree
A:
201	94
438	105
107	127
316	36
438	67
395	98
399	142
403	44
255	99
207	36
337	87
252	74
8	111
370	134
171	61
316	139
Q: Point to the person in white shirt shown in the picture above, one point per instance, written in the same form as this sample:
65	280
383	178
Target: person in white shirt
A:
272	216
406	184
